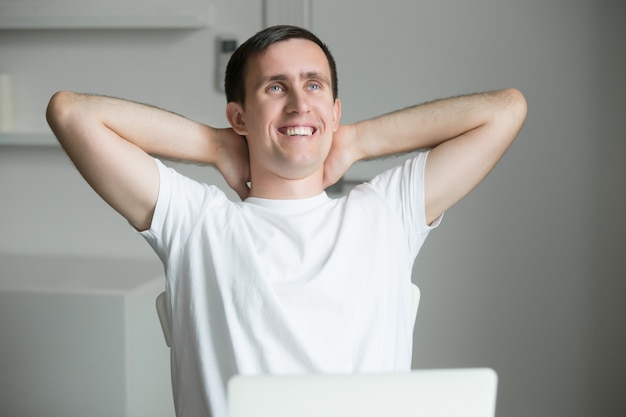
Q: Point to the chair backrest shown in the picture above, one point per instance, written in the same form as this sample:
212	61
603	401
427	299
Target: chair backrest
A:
416	300
161	306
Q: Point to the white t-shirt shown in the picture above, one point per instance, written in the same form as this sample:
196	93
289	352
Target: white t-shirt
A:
315	285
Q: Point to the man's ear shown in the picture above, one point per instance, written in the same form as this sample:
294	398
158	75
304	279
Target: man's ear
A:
337	114
235	116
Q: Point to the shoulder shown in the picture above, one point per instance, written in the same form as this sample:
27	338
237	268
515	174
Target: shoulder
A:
406	177
183	199
174	183
401	190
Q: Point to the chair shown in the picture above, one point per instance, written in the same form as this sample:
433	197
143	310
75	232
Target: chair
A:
161	307
416	300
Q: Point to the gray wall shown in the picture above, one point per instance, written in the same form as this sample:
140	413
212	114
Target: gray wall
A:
524	275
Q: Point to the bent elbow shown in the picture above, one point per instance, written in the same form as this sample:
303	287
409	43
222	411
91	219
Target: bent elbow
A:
518	105
59	114
510	116
57	107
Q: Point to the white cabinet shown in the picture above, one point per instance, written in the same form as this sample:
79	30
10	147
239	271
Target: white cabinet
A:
81	337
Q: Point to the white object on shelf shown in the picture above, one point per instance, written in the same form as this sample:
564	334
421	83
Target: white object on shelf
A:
104	14
82	337
6	103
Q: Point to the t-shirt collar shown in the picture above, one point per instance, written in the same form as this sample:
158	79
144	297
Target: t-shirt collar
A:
299	204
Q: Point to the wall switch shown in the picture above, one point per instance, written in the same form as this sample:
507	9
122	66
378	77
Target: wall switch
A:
225	47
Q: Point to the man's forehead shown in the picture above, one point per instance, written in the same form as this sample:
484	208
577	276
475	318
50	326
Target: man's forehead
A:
288	59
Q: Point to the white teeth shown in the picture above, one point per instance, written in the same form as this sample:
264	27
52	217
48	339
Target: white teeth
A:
299	131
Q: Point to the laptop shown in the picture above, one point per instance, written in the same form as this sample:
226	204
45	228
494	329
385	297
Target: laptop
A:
419	393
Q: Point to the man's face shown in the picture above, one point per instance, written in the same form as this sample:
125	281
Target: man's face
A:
290	114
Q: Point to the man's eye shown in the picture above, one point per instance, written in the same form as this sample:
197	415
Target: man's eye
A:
314	86
275	88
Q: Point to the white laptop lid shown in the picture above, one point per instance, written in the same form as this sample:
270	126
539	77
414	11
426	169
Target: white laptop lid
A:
420	393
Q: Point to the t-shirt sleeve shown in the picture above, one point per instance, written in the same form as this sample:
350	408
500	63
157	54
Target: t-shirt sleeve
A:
403	187
180	204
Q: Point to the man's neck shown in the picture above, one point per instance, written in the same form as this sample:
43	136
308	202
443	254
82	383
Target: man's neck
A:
286	189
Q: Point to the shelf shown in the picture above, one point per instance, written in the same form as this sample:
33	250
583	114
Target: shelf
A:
28	139
98	14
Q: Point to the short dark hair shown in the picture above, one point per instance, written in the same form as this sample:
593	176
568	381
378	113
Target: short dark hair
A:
236	70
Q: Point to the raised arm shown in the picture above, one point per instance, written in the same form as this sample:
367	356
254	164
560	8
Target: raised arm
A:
111	142
468	136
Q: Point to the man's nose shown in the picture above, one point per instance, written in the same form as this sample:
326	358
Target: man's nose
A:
298	102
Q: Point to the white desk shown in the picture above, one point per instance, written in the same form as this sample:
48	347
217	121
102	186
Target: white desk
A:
81	337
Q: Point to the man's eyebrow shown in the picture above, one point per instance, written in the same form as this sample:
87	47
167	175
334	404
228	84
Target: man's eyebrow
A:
317	76
270	79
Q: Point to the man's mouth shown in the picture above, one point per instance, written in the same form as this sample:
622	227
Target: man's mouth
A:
297	130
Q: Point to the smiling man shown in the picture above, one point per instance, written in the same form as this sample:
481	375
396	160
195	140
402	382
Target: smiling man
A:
291	113
288	280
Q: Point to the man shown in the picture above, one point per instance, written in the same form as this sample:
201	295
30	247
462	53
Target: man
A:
288	280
